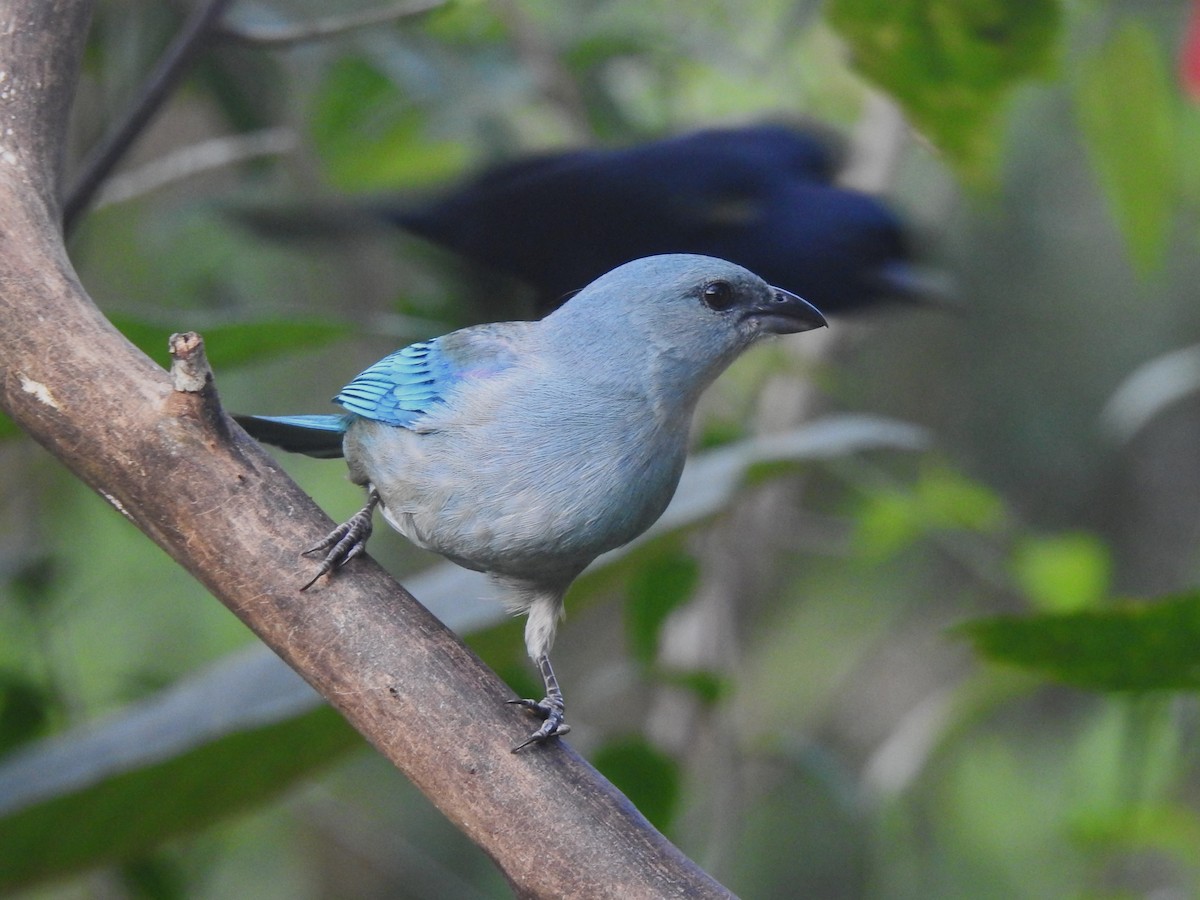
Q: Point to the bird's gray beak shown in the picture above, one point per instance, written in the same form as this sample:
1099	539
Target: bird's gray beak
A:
785	313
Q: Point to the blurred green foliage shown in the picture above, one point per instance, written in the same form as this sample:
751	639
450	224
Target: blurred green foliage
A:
938	500
826	729
952	64
660	586
370	138
1129	111
45	840
1133	647
232	344
649	777
1064	572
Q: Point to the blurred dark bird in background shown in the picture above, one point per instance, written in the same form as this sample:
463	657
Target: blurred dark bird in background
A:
762	196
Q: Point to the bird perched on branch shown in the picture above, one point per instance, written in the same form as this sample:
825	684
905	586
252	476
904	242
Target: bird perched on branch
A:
527	449
761	196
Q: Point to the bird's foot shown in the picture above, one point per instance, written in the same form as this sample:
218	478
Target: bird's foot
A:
550	710
345	542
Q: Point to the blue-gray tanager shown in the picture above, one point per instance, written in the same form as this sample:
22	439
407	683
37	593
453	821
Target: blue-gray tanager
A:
527	449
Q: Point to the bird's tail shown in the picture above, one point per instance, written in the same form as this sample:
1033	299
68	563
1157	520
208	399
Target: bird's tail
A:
319	436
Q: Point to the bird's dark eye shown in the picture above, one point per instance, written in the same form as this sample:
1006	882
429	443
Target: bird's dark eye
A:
718	295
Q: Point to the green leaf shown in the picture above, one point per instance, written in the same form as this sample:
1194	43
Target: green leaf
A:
371	138
1063	573
1135	647
950	500
951	64
649	778
154	877
233	344
26	708
1172	829
886	523
234	773
941	500
1189	156
1127	112
660	586
50	834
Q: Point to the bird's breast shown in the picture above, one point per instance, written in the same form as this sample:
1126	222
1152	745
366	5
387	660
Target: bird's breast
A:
536	500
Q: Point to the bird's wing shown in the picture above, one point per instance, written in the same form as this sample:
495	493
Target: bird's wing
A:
409	384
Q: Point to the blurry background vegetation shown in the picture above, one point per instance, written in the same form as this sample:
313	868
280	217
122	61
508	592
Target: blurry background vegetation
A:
785	690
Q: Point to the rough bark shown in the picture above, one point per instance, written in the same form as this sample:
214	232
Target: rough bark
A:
158	447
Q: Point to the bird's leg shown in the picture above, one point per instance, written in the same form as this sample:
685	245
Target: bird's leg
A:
346	541
550	708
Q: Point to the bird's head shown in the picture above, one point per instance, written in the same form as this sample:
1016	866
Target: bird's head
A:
687	316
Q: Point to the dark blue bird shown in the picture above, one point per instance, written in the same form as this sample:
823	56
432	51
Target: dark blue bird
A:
761	196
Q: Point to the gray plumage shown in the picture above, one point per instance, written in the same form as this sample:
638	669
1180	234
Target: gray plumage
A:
527	449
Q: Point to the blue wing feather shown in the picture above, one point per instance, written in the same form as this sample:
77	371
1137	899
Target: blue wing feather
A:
409	384
401	387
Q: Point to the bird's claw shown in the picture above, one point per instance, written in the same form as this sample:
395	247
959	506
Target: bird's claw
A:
344	543
550	710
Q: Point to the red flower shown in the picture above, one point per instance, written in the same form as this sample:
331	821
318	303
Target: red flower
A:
1189	57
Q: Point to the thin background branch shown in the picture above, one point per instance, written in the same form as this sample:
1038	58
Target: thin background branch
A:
170	70
195	159
322	29
200	29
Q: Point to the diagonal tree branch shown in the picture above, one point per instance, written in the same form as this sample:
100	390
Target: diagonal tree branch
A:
161	451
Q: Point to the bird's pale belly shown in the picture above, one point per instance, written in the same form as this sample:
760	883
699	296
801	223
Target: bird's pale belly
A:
526	519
